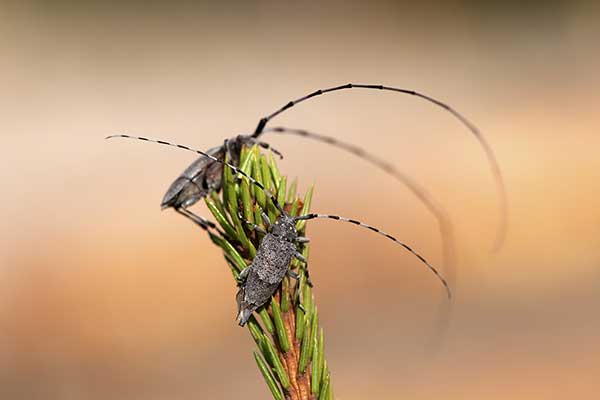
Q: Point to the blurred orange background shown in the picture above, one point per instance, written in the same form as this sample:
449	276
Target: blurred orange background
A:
102	296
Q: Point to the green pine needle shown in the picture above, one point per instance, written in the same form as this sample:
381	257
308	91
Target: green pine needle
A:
220	217
305	208
284	343
295	311
266	320
305	349
269	378
273	357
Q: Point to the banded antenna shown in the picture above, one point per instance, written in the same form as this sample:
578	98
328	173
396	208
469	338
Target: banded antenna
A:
494	165
302	217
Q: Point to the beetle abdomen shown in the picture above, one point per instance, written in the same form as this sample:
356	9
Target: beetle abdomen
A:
196	181
266	273
273	259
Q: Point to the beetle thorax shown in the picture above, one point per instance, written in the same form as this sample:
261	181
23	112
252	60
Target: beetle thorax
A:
285	228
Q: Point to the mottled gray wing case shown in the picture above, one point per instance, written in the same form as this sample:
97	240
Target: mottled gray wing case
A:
257	291
273	259
204	173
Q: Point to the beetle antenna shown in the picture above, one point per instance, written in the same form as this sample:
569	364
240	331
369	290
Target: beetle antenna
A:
387	235
496	172
234	168
444	222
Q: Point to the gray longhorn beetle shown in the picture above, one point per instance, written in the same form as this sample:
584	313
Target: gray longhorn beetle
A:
204	174
261	279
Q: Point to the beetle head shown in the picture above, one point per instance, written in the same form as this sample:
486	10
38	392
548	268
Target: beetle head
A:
285	228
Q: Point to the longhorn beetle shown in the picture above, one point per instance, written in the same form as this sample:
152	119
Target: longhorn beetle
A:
278	246
204	175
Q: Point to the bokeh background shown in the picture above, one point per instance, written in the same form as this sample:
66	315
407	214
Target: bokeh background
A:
102	296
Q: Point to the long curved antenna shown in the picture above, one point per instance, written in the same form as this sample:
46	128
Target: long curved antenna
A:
201	222
234	168
280	209
445	225
387	235
495	167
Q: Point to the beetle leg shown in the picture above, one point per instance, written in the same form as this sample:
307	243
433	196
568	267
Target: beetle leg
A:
243	275
302	239
293	274
200	221
266	220
300	257
252	225
204	223
239	298
257	228
308	281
